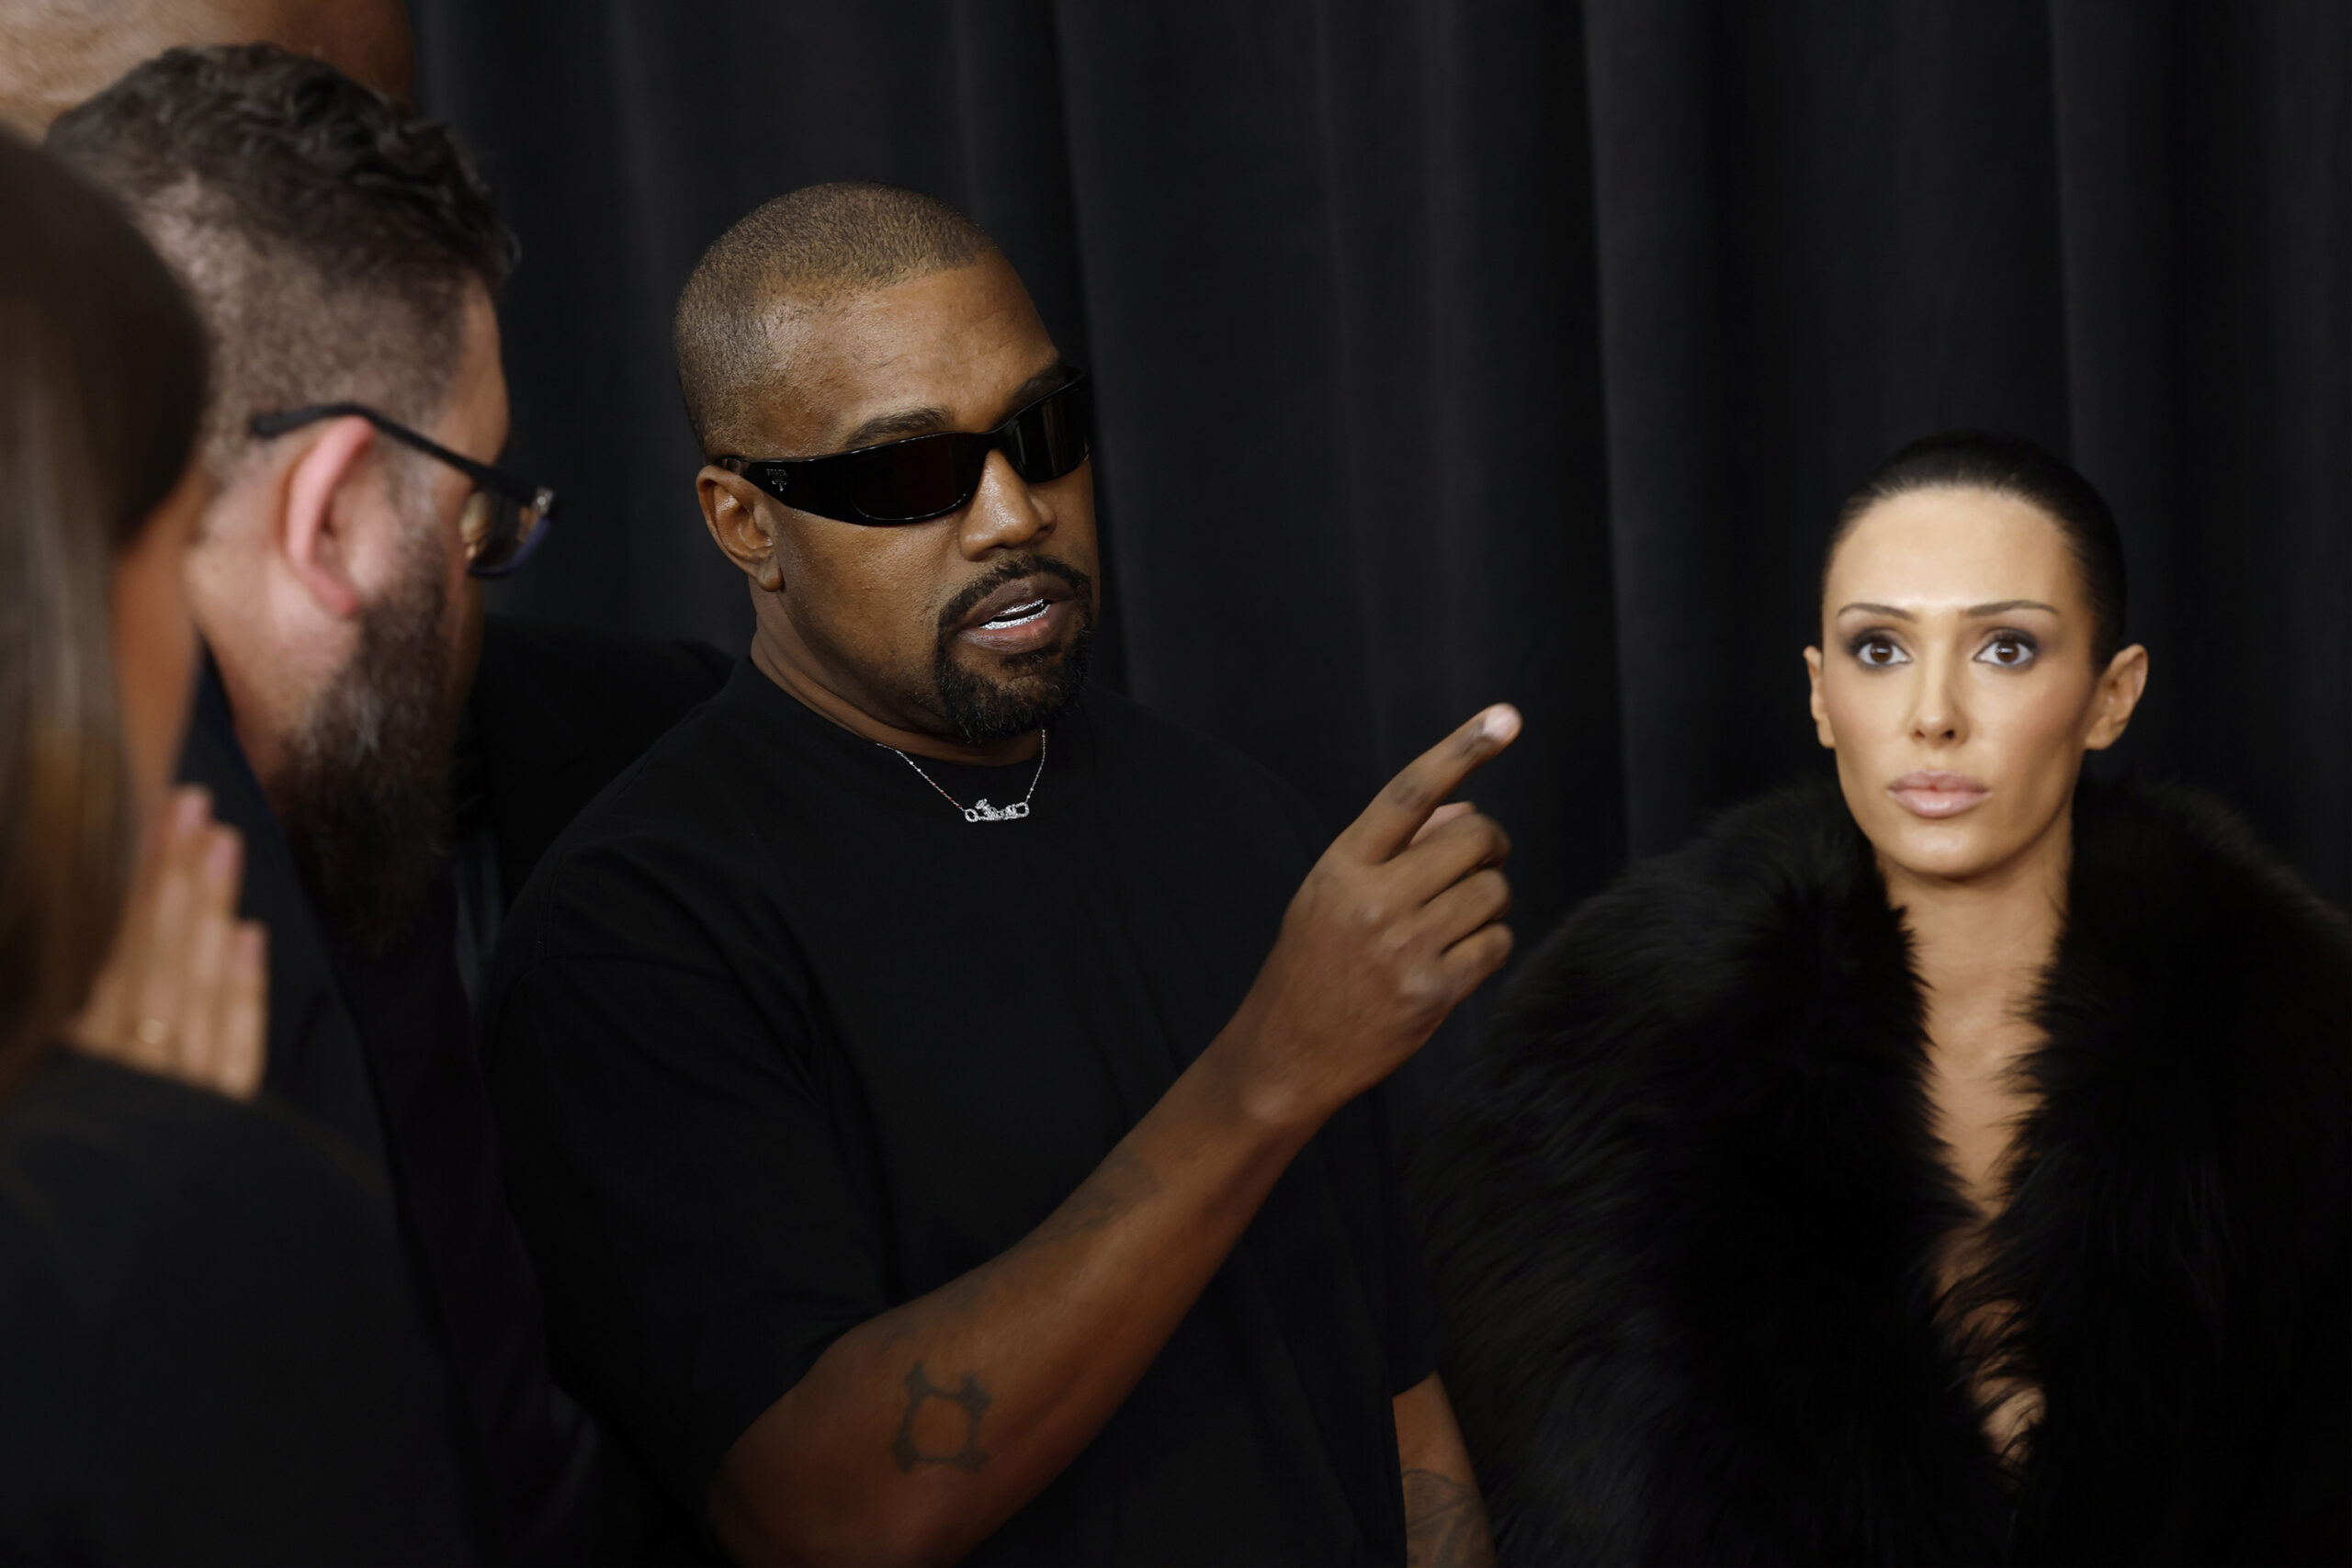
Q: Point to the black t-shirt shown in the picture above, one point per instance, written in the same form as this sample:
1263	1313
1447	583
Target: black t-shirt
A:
210	1349
781	1040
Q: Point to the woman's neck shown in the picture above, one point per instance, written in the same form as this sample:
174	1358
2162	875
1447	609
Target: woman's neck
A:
1982	943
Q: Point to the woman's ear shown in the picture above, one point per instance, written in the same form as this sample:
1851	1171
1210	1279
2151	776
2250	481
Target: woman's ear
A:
321	507
2118	695
1827	737
730	508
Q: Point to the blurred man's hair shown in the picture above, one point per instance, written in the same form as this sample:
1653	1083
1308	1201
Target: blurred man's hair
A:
800	249
328	233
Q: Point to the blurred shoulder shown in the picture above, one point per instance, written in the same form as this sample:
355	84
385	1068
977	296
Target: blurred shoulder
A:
85	1140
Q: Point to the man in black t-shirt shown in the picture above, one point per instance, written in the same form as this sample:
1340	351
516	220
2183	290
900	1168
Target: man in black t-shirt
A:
943	1103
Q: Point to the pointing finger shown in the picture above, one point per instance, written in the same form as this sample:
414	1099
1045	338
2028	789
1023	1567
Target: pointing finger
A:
1410	798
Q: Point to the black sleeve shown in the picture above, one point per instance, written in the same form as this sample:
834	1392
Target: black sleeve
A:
680	1181
269	1391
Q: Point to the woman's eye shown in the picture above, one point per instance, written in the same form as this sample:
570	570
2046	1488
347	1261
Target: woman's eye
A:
1877	653
2009	651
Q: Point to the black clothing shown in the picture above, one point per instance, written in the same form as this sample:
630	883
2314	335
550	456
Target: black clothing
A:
380	1051
316	1061
780	1040
1684	1217
209	1343
555	713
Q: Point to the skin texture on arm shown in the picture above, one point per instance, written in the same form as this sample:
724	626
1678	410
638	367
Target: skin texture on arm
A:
920	1432
1445	1518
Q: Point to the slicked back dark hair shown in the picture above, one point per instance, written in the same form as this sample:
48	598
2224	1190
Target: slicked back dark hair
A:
328	233
2011	465
811	245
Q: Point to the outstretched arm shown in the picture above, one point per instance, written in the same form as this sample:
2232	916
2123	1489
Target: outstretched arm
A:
922	1430
1445	1519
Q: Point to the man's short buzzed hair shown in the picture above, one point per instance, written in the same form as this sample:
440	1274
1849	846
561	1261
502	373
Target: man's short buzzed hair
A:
328	233
815	244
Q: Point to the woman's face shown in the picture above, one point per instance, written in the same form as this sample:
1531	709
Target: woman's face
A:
154	642
1954	681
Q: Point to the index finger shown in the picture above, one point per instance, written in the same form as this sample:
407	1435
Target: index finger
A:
1397	813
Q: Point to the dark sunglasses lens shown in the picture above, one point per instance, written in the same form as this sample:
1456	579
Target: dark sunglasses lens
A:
908	481
1052	435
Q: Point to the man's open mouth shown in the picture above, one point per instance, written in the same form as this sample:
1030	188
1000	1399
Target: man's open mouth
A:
1018	615
1021	616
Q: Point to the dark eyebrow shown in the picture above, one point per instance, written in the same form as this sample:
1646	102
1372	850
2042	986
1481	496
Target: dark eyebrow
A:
902	422
1973	611
892	426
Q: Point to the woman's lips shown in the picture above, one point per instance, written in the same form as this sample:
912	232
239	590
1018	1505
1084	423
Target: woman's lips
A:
1938	794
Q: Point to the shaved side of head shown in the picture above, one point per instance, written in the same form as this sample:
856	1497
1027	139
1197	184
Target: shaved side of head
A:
786	257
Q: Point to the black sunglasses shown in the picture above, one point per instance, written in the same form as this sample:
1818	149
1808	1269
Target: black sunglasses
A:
925	477
505	516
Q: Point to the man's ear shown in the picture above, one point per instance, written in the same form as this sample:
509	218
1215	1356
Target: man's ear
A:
314	527
731	508
1820	709
2117	696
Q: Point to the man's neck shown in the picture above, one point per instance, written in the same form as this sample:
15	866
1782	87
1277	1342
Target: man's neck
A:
830	698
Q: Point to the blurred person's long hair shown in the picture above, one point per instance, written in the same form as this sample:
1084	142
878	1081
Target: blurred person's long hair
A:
102	366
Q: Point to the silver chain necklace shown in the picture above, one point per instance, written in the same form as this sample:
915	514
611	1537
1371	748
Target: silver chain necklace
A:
984	812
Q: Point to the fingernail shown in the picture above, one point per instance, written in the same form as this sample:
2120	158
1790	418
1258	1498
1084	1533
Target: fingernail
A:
1501	722
221	856
188	809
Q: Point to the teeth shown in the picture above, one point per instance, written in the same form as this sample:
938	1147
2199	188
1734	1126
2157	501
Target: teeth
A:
1019	615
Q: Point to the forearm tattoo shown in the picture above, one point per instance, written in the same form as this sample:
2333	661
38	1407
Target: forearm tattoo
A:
1446	1524
921	1391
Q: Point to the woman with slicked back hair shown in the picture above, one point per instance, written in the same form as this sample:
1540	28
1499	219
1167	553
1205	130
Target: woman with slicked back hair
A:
1942	1162
205	1339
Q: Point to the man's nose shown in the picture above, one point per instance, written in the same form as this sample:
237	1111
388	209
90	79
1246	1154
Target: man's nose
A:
1005	513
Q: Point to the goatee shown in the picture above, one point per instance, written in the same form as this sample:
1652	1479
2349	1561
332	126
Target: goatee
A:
1044	681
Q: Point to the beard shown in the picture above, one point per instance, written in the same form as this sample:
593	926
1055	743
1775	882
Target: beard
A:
366	798
1039	685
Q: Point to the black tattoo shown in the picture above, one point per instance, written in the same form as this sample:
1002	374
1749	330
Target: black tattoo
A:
1445	1523
921	1389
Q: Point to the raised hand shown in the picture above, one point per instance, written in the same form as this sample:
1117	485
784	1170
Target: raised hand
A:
185	990
1399	921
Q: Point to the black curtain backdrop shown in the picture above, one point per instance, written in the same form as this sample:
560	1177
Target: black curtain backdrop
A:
1516	348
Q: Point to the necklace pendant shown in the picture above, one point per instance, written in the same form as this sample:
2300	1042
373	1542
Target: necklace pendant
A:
984	812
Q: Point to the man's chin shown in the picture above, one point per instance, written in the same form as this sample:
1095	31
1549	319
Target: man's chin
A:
987	697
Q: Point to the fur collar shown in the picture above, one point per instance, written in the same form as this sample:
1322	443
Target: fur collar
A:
1682	1213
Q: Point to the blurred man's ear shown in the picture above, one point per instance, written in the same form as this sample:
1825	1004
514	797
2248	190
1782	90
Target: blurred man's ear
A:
322	503
55	54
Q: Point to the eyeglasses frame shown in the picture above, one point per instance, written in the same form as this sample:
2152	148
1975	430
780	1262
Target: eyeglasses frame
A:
523	492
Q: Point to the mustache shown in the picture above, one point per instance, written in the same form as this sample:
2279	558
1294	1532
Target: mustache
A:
953	613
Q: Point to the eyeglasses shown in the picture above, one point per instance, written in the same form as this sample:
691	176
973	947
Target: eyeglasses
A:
505	517
925	477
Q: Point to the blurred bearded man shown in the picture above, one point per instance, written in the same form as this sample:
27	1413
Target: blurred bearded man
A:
346	260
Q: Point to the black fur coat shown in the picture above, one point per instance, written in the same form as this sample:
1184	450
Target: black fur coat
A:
1681	1214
